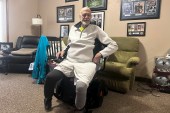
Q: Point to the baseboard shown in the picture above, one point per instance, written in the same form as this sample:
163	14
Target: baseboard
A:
141	79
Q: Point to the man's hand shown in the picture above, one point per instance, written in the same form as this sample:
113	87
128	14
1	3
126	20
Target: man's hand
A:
97	57
60	54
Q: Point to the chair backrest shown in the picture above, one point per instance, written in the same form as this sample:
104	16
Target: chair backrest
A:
18	43
29	41
54	46
127	47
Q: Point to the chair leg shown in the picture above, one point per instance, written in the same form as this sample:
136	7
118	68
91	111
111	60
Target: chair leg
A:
6	65
132	80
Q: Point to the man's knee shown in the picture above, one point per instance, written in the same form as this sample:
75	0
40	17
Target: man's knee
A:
54	75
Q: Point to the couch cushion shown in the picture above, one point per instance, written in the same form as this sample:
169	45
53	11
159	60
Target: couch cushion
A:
24	51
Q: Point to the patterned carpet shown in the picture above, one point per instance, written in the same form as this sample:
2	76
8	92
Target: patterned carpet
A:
19	95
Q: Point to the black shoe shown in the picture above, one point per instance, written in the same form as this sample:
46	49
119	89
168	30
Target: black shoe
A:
82	111
47	104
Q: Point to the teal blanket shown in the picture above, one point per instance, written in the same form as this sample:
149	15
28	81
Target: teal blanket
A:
39	69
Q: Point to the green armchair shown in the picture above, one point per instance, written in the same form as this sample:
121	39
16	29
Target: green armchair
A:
118	73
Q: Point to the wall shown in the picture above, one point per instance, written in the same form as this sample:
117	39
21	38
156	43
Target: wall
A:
155	43
20	14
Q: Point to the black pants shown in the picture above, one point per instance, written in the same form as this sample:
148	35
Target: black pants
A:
53	77
51	80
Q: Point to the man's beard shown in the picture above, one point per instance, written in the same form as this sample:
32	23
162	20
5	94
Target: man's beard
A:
85	23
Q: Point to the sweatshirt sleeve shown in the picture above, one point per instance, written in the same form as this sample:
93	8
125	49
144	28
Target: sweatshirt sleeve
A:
105	39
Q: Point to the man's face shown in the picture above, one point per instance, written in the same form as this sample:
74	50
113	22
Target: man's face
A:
85	17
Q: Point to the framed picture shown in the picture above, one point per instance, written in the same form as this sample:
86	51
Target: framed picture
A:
95	5
65	14
70	0
140	9
136	29
5	46
98	19
64	30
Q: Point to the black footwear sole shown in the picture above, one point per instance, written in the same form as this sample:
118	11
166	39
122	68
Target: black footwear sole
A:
47	105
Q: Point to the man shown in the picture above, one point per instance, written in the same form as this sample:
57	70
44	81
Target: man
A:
80	62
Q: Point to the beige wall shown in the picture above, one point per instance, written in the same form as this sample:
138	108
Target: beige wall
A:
155	43
20	13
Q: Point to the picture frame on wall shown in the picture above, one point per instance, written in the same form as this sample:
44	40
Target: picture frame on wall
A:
70	0
64	31
65	14
140	9
6	46
98	18
136	29
95	5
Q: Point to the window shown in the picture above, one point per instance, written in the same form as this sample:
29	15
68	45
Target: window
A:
3	22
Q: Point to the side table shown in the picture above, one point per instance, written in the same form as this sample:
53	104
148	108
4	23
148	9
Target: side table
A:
4	63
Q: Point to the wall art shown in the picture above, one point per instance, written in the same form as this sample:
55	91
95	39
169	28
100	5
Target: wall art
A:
136	29
140	9
95	5
65	14
70	0
64	31
98	19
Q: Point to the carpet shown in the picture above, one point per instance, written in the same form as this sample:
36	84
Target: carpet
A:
18	94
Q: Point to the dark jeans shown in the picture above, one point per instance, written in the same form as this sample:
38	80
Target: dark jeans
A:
51	80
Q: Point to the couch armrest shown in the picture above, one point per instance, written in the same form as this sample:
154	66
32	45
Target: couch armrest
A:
133	61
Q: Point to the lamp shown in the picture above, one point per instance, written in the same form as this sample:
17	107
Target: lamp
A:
37	22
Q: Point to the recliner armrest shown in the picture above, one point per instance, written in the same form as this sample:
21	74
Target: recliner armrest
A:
133	61
24	51
118	69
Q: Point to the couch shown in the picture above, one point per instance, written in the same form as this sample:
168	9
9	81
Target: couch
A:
118	73
23	54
